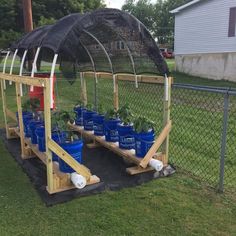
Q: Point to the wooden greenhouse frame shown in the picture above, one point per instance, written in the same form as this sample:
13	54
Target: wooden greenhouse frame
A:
58	181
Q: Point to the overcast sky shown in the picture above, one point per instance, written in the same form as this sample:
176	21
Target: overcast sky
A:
117	3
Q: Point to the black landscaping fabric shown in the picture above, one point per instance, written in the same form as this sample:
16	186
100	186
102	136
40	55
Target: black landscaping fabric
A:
105	40
110	168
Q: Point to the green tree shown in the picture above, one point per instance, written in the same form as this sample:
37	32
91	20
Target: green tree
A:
44	12
156	16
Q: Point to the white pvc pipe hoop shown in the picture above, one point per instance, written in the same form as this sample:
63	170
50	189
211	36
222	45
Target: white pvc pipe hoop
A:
4	68
34	66
12	64
51	79
21	69
107	55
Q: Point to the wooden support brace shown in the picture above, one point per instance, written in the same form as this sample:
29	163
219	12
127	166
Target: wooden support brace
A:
161	138
80	169
11	114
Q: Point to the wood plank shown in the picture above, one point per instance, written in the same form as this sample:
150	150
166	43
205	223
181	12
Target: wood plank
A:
166	119
138	170
47	122
20	118
11	114
160	139
4	107
153	79
40	82
80	169
128	154
116	95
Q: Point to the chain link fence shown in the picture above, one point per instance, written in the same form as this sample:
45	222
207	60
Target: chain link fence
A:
203	137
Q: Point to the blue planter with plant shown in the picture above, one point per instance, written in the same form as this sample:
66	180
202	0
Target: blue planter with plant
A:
144	135
98	122
88	117
33	124
110	126
75	150
71	143
125	129
79	109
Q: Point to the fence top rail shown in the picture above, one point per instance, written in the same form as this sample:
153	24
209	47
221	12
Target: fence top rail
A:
39	82
221	90
128	77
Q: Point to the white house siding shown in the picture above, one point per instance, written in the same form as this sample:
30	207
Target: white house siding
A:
202	45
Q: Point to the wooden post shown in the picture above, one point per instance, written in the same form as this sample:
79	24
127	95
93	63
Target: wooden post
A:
83	89
116	94
4	108
166	119
20	120
47	121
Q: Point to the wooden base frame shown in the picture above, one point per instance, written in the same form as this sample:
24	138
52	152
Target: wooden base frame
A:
56	180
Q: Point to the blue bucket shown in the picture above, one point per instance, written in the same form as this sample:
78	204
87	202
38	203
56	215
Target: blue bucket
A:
33	124
79	115
98	126
143	142
110	128
75	150
88	119
58	137
126	136
40	133
27	117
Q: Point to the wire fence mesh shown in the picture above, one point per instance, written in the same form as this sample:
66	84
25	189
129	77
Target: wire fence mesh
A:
197	114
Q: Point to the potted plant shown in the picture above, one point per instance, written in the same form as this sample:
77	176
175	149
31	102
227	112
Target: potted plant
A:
144	135
79	109
110	126
57	136
71	143
98	121
32	120
27	115
88	117
125	128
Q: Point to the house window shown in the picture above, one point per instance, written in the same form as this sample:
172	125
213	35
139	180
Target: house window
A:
120	45
232	22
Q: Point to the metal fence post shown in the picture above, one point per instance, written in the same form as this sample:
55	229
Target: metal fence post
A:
224	142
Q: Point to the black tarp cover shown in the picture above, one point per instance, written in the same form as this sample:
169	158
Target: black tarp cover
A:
110	39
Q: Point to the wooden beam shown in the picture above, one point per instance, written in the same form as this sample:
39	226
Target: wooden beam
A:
4	108
20	118
127	154
166	119
39	82
80	169
156	145
11	114
47	121
134	170
153	79
116	95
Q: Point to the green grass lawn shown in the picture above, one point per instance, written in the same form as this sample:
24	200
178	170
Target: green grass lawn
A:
179	205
